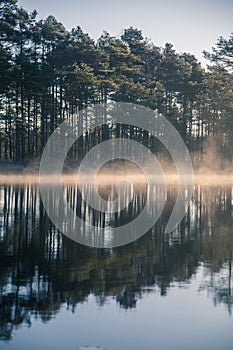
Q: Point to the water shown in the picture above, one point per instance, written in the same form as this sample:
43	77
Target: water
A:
164	291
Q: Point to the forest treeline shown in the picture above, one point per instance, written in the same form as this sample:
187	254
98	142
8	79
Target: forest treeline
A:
47	73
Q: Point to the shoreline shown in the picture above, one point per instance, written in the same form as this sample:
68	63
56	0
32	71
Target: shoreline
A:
28	172
111	179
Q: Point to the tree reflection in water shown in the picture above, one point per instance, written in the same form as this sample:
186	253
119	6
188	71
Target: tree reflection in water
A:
41	269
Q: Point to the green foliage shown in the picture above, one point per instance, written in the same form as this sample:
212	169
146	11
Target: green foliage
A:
47	72
223	52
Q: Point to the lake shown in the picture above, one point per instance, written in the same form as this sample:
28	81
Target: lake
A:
162	291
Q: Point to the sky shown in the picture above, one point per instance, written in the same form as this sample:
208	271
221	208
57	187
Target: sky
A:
191	26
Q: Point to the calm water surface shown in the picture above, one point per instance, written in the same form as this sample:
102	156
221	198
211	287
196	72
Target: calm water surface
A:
164	291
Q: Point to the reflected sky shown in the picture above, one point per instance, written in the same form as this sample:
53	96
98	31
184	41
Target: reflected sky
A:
183	320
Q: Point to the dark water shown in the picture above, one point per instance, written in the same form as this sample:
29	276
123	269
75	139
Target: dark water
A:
164	291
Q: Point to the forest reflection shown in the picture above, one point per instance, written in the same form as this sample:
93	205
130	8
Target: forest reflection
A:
41	269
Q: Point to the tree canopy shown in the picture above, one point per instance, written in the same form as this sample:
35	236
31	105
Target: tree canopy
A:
48	72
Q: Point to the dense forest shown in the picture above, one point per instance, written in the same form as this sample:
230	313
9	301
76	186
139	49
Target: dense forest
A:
47	73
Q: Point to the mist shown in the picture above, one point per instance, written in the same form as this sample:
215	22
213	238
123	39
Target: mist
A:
209	169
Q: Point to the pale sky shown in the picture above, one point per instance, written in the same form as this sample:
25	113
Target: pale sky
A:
191	26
